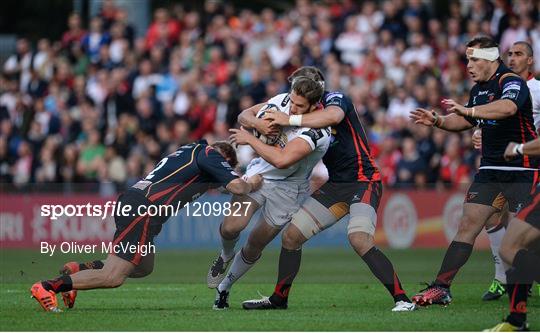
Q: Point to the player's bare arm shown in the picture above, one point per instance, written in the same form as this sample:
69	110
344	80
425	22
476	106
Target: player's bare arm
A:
451	122
514	149
330	116
281	158
240	187
248	119
499	109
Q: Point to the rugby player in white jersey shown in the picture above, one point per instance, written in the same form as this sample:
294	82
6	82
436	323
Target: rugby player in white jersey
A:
286	183
521	61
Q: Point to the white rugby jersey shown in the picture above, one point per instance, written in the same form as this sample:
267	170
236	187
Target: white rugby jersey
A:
534	88
318	140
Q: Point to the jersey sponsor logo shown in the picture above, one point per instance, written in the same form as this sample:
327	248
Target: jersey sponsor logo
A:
490	96
226	165
285	100
471	196
314	134
400	221
332	95
487	122
334	102
509	95
512	85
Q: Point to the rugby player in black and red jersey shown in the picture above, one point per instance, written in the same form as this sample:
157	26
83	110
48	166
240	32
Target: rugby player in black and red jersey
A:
517	250
501	105
181	177
354	188
521	61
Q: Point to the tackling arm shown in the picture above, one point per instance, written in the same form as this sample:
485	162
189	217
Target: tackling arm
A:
248	117
284	157
281	158
239	187
330	116
532	148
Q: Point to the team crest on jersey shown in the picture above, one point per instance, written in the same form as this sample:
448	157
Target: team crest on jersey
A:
471	196
285	101
513	85
332	95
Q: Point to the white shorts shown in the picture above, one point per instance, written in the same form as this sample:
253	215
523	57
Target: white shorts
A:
280	199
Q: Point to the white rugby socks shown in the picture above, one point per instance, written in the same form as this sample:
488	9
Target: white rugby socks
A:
496	235
239	267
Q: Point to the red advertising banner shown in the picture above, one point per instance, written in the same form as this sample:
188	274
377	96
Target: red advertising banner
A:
24	222
427	219
422	219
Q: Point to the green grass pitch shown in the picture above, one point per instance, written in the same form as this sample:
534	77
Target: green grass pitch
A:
334	291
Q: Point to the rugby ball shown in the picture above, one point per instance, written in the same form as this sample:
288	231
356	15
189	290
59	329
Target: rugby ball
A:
269	140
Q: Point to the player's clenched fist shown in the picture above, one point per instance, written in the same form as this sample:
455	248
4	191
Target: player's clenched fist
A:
513	150
477	139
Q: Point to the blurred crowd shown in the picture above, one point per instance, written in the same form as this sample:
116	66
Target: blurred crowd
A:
101	106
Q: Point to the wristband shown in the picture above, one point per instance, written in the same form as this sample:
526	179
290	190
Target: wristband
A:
519	149
436	116
295	120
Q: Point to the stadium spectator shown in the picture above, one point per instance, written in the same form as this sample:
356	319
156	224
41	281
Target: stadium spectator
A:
19	65
75	32
91	161
164	31
194	70
95	39
410	166
453	171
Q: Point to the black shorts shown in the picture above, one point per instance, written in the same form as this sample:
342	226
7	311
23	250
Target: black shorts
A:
338	197
531	212
496	187
133	229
